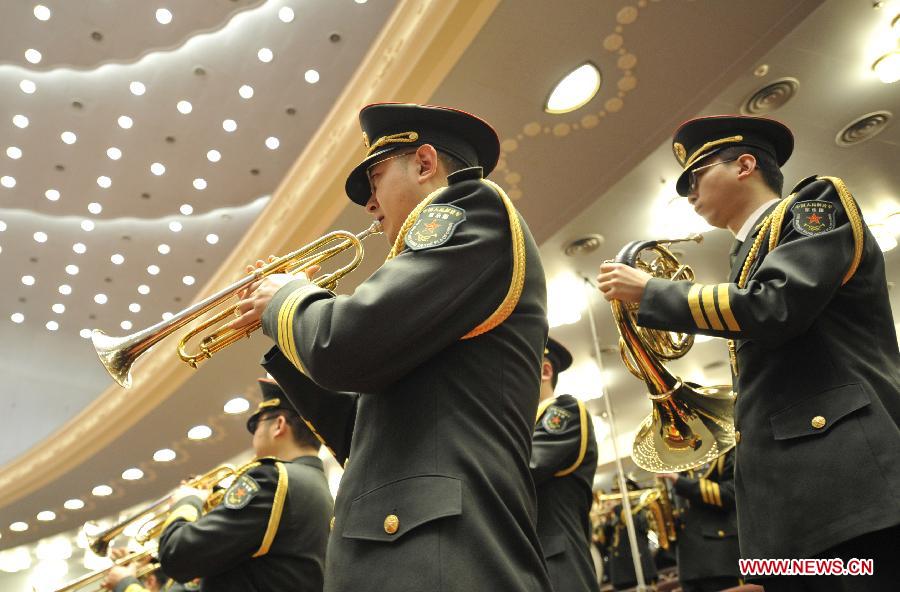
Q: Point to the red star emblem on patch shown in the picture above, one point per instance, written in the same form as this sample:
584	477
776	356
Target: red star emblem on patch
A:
814	219
432	225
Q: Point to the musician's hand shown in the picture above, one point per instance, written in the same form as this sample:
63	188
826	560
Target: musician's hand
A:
119	573
255	298
185	491
618	281
673	477
117	552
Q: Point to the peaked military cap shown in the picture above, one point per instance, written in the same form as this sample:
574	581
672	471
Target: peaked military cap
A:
272	398
558	355
698	138
389	127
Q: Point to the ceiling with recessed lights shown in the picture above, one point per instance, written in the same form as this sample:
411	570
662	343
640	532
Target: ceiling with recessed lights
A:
605	168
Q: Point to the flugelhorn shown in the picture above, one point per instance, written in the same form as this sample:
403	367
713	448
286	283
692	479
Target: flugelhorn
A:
118	354
690	424
96	576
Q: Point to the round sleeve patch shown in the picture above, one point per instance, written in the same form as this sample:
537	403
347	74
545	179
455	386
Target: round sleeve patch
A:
555	419
434	226
813	217
241	492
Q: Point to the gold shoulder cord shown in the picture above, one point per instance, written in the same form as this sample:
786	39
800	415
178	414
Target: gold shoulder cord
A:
582	448
519	258
852	210
277	507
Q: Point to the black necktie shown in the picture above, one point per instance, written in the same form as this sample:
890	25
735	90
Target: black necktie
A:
735	247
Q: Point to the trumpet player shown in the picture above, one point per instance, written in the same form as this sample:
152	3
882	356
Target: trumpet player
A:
270	531
814	353
424	381
124	578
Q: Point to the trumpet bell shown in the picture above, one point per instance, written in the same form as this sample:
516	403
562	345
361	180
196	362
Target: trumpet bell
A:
113	356
686	429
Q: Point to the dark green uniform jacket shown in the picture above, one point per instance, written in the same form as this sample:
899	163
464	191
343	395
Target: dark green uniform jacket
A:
818	383
707	542
563	463
132	584
269	533
437	492
618	549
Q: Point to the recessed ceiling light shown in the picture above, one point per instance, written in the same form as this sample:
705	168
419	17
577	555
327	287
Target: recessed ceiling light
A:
17	317
184	107
52	194
68	137
163	249
65	289
188	280
144	289
28	280
887	67
27	86
79	248
360	1
59	308
125	325
95	208
19	526
157	168
113	153
311	76
246	91
134	307
14	152
286	14
132	474
102	490
186	209
46	516
85	333
272	142
87	225
7	181
212	238
72	269
52	325
137	88
200	432
163	16
200	184
214	156
153	269
575	89
73	504
229	125
117	259
41	12
40	237
125	122
104	181
164	455
33	56
167	315
100	298
20	121
175	226
265	55
237	405
2	226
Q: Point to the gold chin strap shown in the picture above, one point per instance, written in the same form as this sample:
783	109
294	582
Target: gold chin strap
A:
517	282
401	138
698	154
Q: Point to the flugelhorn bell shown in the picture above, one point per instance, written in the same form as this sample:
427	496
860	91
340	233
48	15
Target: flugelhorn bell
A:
118	354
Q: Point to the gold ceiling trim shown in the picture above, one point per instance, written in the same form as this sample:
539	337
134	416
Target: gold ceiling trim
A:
415	50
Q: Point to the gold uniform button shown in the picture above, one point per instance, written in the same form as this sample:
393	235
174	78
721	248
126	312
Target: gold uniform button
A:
737	437
721	533
818	422
391	524
331	524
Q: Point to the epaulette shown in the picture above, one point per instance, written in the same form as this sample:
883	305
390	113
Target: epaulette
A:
803	183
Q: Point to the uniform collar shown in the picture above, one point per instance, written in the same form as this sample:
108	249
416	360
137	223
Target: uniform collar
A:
467	174
309	460
752	219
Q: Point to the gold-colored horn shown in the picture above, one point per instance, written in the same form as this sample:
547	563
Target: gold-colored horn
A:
690	424
96	576
118	354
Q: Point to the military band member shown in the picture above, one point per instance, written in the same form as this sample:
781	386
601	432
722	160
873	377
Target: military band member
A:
814	351
443	345
270	531
563	463
618	547
707	543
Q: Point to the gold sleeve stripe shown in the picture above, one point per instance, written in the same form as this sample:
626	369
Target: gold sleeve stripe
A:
725	308
543	407
183	512
694	303
582	417
277	507
286	340
716	495
709	305
702	483
135	588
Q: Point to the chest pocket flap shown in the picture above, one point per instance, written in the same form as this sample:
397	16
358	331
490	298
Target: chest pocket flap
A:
818	413
390	511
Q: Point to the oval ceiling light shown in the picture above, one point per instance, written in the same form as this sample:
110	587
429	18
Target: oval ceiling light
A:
28	87
87	225
95	208
104	181
58	308
46	516
52	325
33	56
132	474
200	432
164	455
102	490
100	298
52	194
286	14
72	269
163	249
188	280
41	12
79	248
184	107
117	259
40	237
887	67
7	181
246	91
265	55
134	307
86	334
73	504
272	143
113	153
311	76
20	121
212	238
68	137
199	184
157	168
229	125
18	526
28	280
214	156
153	269
186	209
163	16
175	226
575	90
65	289
143	289
137	88
14	152
237	405
17	317
125	122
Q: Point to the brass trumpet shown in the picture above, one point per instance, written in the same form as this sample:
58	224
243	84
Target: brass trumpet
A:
118	354
690	424
156	512
96	576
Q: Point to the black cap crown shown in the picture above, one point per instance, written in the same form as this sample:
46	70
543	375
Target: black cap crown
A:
698	138
272	398
388	127
558	355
